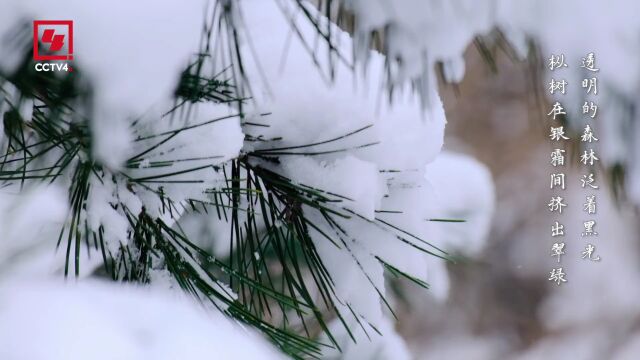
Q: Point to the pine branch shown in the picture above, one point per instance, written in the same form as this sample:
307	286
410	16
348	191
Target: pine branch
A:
278	282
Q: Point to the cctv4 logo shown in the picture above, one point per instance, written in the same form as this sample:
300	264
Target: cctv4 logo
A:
53	40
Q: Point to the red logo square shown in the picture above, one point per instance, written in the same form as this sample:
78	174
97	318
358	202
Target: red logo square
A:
52	36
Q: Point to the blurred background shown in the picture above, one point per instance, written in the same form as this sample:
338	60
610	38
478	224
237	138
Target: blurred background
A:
501	304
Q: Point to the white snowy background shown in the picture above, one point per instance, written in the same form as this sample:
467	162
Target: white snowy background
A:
305	107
